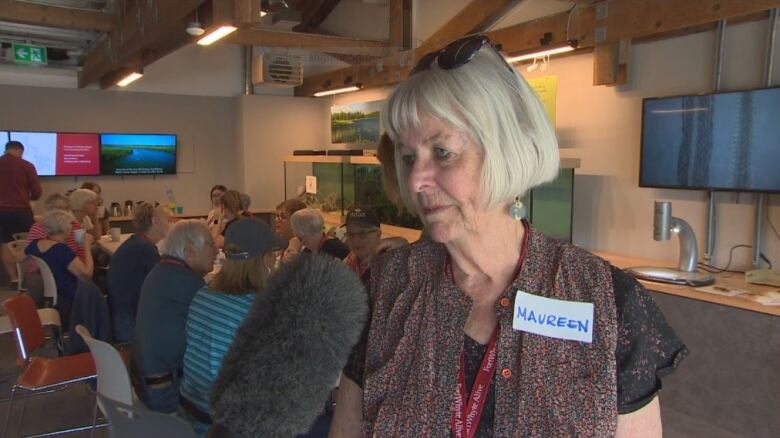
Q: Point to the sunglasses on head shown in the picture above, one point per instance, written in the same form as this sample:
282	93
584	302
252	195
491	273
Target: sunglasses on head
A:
457	53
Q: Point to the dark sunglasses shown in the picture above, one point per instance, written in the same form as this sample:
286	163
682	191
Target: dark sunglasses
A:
457	53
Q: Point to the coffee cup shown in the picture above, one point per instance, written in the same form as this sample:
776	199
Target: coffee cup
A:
78	236
114	233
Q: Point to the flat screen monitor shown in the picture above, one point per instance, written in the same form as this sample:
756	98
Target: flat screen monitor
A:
138	154
59	153
723	141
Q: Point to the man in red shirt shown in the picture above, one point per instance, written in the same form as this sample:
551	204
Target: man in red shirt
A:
18	186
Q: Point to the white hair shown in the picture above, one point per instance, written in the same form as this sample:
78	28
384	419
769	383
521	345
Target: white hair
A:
79	197
495	107
57	222
57	201
186	234
307	222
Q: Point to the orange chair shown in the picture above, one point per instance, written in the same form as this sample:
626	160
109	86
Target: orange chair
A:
40	374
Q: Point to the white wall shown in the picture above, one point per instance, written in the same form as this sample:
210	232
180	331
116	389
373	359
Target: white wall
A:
205	127
270	127
603	126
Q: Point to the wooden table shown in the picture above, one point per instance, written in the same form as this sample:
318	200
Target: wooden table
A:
725	279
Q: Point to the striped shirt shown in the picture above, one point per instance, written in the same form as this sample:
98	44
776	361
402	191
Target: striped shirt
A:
212	322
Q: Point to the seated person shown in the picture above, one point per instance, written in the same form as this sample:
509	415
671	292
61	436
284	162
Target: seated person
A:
102	213
363	238
246	201
219	309
283	229
229	212
84	204
216	202
62	261
130	265
188	254
307	225
32	278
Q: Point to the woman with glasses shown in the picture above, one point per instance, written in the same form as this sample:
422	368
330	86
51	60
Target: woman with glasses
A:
485	327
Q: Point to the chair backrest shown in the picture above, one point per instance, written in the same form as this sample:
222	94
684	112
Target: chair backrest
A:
129	421
26	324
112	378
16	247
49	284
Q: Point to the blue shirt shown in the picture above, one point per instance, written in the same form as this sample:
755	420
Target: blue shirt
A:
129	266
58	257
212	322
162	314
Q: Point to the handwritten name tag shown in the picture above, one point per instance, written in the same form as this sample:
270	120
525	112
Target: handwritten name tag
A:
554	318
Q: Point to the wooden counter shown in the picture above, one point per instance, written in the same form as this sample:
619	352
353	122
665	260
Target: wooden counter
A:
725	279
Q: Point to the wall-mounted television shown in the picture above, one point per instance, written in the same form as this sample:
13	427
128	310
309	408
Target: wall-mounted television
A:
59	153
137	154
722	141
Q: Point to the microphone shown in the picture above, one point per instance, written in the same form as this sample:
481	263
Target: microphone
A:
289	352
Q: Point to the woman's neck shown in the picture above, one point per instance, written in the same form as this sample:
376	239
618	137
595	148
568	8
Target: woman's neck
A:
484	262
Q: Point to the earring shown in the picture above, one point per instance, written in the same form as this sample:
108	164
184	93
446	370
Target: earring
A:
517	210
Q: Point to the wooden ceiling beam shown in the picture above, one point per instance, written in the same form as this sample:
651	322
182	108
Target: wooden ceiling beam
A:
321	43
315	13
146	27
475	17
626	20
67	18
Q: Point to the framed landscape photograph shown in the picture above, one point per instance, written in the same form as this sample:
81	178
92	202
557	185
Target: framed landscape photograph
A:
355	123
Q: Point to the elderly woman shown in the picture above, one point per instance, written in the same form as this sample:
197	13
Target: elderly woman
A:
101	213
62	261
486	327
219	309
307	226
84	204
32	279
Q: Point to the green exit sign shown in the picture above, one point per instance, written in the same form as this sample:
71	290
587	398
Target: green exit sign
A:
29	54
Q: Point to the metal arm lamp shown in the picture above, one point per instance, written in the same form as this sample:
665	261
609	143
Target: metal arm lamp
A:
664	225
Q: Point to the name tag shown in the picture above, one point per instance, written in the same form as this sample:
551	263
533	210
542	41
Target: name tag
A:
554	318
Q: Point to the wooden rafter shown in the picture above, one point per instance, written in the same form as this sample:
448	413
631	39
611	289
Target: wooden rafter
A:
477	16
28	13
315	13
626	20
396	65
323	43
400	25
137	32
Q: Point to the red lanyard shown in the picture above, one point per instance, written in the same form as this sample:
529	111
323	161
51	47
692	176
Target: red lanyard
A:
466	418
174	262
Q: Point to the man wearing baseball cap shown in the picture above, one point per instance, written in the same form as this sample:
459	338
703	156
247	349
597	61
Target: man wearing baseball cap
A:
363	238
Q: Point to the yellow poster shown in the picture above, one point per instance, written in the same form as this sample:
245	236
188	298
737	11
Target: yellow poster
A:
546	88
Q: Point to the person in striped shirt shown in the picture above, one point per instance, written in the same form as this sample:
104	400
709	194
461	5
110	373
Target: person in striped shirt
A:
219	309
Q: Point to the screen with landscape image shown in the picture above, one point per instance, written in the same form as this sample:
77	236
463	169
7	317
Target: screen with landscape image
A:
137	154
355	122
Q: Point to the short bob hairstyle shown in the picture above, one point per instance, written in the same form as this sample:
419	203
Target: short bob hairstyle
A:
496	108
56	201
186	234
57	222
79	197
307	222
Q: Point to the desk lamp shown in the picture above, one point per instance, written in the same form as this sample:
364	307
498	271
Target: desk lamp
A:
664	225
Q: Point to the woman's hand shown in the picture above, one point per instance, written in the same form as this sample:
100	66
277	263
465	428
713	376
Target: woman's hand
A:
89	239
293	249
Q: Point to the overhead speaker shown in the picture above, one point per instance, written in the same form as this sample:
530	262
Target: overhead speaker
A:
276	70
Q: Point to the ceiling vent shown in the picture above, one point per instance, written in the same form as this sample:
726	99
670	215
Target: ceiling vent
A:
275	70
